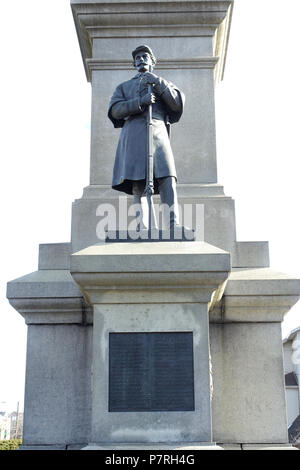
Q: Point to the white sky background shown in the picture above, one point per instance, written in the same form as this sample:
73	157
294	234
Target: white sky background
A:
45	119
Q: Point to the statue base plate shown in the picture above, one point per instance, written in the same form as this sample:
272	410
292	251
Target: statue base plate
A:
178	233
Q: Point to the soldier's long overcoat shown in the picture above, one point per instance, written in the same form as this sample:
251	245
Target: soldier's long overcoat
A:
126	111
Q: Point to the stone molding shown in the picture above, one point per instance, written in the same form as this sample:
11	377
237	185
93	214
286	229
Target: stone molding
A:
185	18
47	297
163	64
256	295
189	272
192	257
99	15
108	288
46	283
256	299
51	310
150	31
191	190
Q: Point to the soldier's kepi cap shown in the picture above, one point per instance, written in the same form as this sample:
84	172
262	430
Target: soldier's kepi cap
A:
146	48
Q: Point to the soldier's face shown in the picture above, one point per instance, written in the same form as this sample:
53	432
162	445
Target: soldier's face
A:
143	61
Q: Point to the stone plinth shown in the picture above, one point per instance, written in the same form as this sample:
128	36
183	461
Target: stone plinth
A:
247	362
59	339
245	338
151	288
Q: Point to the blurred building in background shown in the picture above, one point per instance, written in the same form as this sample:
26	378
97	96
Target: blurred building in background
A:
291	350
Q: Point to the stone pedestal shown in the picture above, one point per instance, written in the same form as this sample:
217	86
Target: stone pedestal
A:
162	291
151	288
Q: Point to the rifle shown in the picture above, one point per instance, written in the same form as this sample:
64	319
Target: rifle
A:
149	179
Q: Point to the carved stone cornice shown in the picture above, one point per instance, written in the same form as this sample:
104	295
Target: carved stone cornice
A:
140	18
50	310
162	272
48	296
256	295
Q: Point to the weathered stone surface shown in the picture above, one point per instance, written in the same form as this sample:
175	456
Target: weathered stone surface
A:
54	255
248	383
250	255
57	396
143	257
261	281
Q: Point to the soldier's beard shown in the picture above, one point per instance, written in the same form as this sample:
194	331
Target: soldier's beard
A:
143	68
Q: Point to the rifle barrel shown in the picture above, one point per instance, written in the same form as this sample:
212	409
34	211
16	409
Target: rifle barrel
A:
149	180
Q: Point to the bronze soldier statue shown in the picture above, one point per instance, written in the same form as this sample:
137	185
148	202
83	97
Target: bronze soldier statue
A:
128	109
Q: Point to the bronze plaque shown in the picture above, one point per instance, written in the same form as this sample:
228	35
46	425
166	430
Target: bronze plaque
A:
151	372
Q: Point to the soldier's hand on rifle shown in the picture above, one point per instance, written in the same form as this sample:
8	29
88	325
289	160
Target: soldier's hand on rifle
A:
151	78
147	99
